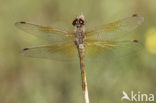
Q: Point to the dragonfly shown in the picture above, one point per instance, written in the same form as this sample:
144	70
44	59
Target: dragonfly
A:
81	42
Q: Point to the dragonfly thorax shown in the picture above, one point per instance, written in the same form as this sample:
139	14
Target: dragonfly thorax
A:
79	29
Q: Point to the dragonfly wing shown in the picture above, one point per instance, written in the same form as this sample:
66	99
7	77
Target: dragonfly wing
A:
47	33
62	51
101	50
116	30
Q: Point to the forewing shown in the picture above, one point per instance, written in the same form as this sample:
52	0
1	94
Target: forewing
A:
116	30
65	51
47	33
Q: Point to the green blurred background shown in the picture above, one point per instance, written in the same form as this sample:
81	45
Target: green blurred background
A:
31	80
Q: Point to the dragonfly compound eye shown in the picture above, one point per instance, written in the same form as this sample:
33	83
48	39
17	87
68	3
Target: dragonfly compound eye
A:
75	22
81	21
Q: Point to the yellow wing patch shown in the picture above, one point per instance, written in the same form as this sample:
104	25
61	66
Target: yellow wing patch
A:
94	48
69	50
112	26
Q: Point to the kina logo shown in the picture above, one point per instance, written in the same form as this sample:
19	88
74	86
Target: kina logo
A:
137	97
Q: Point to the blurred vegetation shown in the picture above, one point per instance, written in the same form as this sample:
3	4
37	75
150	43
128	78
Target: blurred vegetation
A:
34	80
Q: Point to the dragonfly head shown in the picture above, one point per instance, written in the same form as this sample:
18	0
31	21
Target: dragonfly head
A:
79	21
